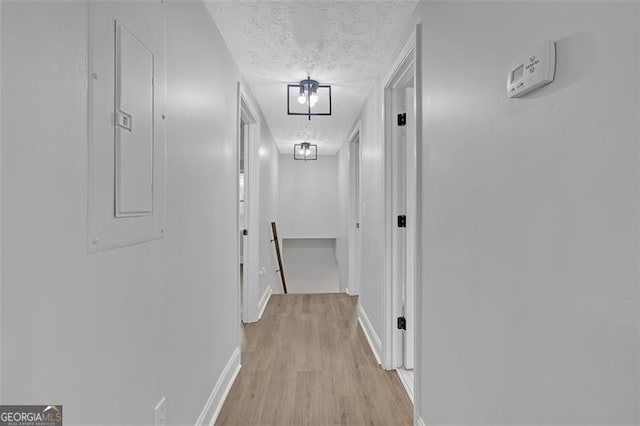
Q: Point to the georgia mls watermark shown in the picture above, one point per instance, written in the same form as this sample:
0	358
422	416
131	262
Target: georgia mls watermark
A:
30	415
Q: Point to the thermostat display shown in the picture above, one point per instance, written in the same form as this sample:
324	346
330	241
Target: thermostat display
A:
517	74
535	70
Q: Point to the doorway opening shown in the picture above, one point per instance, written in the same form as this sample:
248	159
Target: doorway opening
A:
247	185
242	215
354	240
402	216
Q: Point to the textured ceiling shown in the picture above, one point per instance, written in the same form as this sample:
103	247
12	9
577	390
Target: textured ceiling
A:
342	43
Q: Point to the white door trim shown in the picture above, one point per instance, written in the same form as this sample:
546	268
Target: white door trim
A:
409	57
247	112
420	163
404	64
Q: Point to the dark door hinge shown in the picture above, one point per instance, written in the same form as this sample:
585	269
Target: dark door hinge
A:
402	119
402	323
245	232
402	221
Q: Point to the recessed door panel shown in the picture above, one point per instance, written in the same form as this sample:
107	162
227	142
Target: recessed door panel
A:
133	120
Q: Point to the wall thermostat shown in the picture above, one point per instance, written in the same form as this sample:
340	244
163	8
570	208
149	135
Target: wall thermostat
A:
533	71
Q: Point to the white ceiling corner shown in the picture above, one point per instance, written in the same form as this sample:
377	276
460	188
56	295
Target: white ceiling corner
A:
342	43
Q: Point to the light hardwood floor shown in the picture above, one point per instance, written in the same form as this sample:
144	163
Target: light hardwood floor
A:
307	362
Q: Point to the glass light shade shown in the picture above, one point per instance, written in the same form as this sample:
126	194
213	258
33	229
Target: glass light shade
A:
308	98
305	151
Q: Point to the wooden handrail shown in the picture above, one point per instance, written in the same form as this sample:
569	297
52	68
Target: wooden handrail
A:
277	243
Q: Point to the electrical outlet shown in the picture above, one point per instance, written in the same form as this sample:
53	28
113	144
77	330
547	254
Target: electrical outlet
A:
160	413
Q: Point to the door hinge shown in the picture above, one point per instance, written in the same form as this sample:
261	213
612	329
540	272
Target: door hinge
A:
402	323
402	221
245	232
402	119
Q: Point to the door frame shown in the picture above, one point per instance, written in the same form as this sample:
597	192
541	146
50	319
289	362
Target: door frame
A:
409	58
354	240
392	347
247	113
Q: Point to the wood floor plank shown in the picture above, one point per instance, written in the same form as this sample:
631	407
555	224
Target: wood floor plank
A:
307	362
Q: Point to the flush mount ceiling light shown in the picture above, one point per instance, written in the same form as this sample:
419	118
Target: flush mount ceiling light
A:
308	98
305	151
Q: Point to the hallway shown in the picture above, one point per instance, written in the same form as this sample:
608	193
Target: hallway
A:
450	189
307	362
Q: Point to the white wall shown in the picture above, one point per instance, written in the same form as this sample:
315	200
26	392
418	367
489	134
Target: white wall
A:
530	226
310	265
372	218
269	199
530	217
308	197
124	327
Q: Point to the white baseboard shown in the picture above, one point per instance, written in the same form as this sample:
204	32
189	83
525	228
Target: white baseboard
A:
220	391
370	333
264	300
407	380
420	422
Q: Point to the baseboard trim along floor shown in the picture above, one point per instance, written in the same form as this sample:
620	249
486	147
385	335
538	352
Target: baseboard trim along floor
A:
264	300
406	377
370	333
220	391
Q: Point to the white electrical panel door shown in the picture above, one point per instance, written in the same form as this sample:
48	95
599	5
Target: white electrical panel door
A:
133	125
127	90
